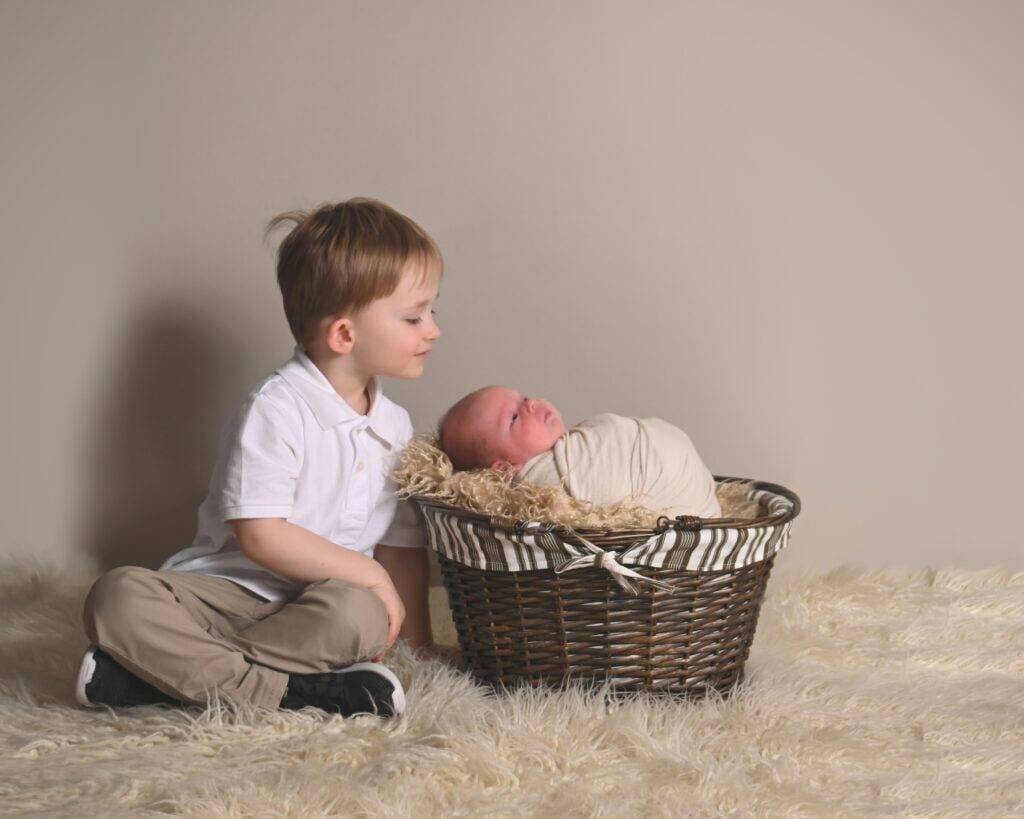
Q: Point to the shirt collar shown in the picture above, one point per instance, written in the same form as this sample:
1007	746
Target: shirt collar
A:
328	407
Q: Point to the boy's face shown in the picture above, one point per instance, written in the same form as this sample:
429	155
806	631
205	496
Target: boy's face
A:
393	335
513	427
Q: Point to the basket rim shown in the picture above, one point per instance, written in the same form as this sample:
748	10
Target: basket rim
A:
705	523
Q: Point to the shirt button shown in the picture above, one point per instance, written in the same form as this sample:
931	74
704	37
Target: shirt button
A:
360	466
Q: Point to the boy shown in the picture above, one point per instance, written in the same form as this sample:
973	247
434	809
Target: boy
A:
279	601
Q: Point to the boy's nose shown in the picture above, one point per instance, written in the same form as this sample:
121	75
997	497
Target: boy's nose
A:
531	405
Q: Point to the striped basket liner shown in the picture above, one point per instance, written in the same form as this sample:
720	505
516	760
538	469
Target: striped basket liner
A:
720	544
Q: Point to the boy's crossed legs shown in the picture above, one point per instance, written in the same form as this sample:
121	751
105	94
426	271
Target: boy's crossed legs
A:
187	634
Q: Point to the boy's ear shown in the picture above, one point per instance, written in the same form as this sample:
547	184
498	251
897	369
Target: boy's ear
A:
340	335
504	466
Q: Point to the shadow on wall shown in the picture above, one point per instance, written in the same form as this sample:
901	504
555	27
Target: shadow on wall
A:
154	436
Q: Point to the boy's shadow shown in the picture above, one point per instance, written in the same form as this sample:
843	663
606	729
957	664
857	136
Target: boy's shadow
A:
155	433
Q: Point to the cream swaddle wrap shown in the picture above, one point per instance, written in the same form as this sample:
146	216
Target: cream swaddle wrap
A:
609	459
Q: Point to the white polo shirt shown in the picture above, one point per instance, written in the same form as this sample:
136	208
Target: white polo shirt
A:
296	450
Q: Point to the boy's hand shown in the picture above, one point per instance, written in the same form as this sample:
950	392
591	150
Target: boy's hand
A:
386	591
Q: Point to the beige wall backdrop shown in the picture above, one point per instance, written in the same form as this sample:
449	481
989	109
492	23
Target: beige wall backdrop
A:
794	229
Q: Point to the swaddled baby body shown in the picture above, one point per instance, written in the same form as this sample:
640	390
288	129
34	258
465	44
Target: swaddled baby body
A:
606	460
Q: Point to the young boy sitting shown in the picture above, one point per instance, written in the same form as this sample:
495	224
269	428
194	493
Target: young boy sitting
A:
279	601
605	460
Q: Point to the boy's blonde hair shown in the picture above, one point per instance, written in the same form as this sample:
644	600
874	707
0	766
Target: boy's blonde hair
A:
340	257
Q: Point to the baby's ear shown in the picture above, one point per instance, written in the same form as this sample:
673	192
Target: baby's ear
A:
501	466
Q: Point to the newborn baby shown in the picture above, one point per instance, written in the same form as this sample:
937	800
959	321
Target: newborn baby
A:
605	460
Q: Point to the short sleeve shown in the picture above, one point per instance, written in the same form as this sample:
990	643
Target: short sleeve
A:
262	461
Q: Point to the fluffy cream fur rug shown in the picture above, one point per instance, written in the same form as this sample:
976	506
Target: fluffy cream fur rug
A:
869	694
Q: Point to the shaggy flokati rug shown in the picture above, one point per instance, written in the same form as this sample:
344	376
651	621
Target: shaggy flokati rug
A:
885	693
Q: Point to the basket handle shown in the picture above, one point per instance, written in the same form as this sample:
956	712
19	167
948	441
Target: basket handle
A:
681	523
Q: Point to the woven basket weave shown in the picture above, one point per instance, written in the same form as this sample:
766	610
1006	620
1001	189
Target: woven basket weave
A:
540	604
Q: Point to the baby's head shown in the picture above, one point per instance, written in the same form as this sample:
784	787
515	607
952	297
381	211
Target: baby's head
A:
498	427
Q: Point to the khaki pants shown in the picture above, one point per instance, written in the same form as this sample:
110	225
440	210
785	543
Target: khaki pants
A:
189	634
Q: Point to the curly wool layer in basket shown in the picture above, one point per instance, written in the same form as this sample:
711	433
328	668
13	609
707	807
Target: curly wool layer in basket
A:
425	471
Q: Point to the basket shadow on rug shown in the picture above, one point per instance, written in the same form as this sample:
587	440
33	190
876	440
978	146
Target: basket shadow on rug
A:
542	604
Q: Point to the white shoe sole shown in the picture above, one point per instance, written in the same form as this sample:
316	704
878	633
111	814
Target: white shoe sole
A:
85	673
397	696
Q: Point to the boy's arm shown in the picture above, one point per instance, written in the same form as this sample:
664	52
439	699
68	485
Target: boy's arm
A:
410	572
303	556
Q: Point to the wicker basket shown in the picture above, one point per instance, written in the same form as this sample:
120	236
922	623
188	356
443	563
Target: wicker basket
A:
539	604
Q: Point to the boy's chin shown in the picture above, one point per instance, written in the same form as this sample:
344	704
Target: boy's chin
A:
414	370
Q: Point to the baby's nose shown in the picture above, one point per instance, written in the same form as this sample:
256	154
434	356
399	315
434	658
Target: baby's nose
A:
531	405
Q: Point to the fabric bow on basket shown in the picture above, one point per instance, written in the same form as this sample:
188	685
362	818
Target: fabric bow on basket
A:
600	558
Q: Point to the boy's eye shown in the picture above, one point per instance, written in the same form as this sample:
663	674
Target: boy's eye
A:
514	416
417	320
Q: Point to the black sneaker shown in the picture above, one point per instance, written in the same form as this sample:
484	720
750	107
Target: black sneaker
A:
363	688
102	681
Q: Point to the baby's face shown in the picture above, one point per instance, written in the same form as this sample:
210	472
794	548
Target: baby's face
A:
513	427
